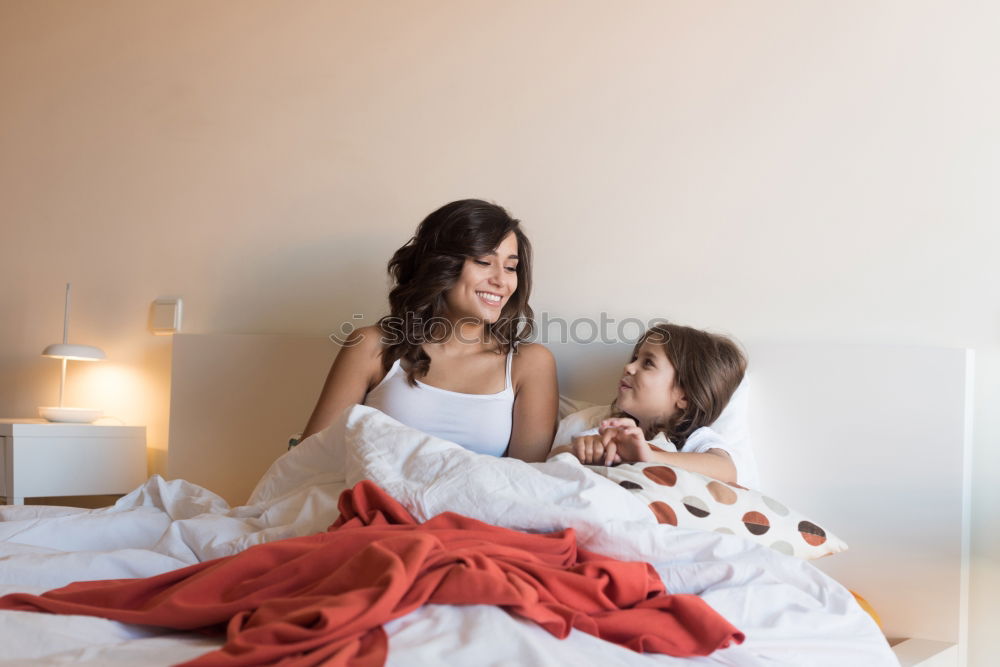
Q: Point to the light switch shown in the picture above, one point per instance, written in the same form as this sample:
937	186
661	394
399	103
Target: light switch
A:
165	316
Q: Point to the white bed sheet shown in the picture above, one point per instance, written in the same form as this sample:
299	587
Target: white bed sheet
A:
791	612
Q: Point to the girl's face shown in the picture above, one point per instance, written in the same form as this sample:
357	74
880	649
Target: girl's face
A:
647	390
486	284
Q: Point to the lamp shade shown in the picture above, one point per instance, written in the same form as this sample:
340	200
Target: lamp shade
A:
74	352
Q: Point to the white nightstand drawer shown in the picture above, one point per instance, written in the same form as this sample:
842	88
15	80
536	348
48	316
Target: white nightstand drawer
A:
76	466
49	460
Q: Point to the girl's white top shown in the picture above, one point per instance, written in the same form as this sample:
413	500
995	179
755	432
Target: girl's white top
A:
479	422
587	421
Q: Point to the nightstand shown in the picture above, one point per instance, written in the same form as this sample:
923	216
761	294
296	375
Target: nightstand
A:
42	459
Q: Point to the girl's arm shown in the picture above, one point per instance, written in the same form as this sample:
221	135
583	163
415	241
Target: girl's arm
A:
356	369
536	403
714	463
626	442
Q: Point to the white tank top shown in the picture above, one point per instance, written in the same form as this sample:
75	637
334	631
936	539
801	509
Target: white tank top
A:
479	422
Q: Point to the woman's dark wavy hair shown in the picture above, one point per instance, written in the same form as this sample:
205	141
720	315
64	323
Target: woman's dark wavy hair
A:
430	263
708	368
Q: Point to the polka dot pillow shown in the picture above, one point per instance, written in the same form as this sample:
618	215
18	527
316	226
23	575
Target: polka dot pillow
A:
690	500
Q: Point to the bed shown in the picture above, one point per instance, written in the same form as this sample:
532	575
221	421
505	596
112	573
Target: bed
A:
851	435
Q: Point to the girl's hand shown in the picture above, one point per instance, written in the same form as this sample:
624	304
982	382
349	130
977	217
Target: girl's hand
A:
618	421
593	449
626	441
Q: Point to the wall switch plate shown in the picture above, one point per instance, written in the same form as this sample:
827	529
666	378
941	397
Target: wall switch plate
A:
165	316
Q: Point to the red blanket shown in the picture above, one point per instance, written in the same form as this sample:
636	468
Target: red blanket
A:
322	599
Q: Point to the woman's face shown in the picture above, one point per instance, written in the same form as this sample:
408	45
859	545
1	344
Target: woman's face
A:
647	390
486	284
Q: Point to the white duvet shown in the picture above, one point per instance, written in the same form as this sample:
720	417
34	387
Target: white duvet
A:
791	613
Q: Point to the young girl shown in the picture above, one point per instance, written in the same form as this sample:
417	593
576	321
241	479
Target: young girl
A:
676	384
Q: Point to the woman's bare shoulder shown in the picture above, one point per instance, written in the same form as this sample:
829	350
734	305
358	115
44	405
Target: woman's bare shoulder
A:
369	337
532	352
363	345
530	358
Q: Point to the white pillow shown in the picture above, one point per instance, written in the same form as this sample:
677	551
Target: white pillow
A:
687	499
732	423
568	406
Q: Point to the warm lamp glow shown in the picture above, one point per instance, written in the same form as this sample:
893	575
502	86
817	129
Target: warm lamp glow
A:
119	388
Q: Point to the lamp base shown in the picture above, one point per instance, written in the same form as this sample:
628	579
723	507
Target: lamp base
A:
70	415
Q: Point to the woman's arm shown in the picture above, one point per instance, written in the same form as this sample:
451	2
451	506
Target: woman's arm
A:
560	450
356	369
536	403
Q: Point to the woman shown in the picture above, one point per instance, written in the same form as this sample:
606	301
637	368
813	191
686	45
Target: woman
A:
450	358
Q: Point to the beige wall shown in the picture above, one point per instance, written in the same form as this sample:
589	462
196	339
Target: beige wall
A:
772	169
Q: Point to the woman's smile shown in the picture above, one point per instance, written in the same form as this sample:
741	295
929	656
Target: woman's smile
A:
491	299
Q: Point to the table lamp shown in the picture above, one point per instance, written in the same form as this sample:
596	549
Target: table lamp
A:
68	352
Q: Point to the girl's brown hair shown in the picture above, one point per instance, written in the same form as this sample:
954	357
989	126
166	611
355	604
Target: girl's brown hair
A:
430	263
708	368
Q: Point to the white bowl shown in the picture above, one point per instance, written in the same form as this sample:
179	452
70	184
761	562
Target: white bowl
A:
71	415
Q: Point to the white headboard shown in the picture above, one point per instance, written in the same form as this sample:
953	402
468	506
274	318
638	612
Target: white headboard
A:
875	440
871	440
